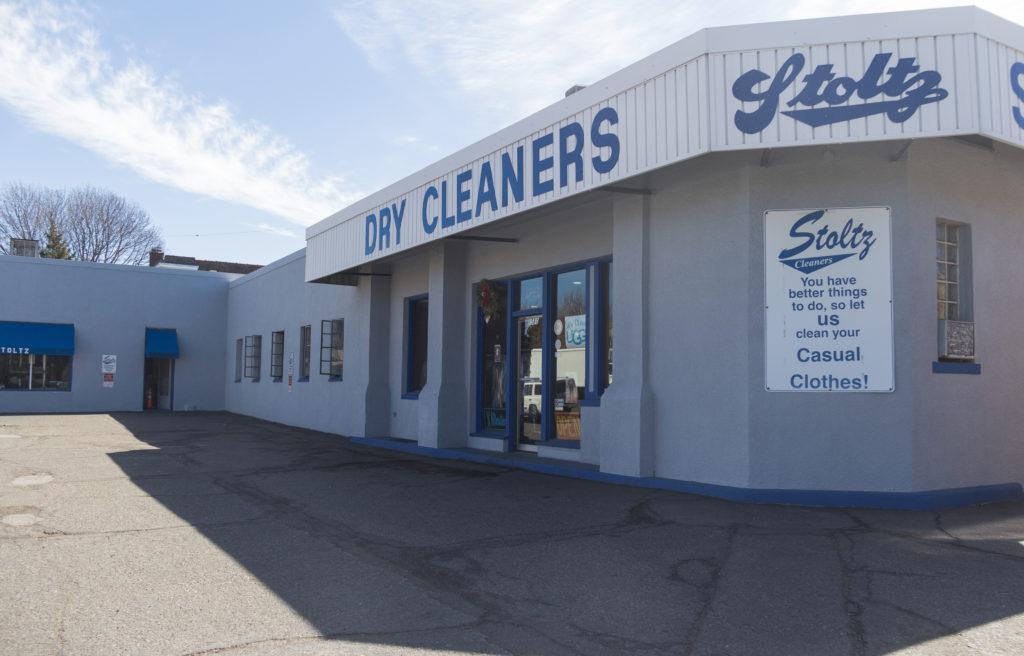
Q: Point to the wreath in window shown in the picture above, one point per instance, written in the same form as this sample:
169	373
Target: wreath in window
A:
490	298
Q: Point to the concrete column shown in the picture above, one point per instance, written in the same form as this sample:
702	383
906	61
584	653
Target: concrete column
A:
626	424
378	393
442	401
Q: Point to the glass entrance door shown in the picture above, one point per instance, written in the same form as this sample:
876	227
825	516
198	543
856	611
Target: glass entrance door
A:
529	382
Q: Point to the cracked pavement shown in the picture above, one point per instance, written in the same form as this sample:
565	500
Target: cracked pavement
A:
212	533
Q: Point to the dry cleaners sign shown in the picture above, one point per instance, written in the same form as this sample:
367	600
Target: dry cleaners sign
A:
481	187
828	300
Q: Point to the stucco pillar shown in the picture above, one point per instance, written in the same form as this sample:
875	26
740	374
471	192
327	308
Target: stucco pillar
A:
442	401
378	394
627	435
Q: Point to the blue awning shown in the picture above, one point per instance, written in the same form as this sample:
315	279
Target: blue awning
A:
18	337
161	343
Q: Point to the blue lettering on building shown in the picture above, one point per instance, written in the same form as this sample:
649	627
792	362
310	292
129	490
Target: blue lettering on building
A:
1017	83
476	188
817	249
904	89
512	178
429	225
606	139
542	165
446	220
462	196
377	232
485	192
567	157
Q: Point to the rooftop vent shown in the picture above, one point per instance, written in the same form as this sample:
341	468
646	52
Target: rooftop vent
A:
25	247
574	88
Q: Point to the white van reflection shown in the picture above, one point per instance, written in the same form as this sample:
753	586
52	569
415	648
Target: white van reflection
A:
566	397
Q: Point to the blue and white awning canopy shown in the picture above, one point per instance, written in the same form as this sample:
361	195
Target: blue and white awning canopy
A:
161	343
24	338
897	76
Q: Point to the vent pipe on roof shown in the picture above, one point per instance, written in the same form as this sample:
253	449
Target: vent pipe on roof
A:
25	247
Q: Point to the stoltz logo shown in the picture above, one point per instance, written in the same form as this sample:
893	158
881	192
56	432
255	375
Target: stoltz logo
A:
829	246
1017	83
907	88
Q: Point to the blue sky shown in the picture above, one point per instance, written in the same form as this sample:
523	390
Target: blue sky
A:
244	122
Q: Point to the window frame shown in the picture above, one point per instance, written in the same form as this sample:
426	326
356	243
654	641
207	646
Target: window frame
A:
277	355
30	372
407	389
943	263
305	351
239	358
253	357
598	303
331	373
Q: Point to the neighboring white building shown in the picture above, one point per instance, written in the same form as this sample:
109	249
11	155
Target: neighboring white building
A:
772	262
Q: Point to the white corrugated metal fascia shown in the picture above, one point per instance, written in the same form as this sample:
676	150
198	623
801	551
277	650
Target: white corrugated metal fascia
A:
974	50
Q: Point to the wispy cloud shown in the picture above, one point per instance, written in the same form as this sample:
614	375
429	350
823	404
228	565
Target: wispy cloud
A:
513	57
54	73
276	230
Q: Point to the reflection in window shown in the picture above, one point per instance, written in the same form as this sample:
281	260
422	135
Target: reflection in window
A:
35	372
531	293
570	338
495	349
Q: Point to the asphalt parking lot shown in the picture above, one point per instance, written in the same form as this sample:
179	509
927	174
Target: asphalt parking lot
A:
219	534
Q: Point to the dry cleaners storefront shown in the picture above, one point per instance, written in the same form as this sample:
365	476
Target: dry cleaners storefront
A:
776	263
744	266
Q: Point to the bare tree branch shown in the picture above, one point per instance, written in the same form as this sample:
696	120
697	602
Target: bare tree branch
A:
99	226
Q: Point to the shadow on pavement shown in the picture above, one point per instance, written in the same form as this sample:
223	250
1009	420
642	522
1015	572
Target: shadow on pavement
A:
395	550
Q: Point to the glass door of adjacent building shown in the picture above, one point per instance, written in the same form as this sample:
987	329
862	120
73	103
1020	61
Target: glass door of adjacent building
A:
529	381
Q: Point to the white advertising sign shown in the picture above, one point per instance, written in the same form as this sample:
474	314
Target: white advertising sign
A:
828	300
108	368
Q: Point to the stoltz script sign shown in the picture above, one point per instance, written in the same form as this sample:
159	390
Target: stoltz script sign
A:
828	300
1017	85
897	91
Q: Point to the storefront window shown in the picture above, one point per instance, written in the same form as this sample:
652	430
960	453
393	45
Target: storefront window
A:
416	372
608	333
570	343
35	372
494	414
531	293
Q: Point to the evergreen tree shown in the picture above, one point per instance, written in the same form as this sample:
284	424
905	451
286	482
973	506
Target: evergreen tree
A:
56	248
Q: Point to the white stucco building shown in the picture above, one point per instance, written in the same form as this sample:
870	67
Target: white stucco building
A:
771	262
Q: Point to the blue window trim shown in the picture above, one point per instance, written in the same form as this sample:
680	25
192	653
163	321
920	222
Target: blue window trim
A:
335	379
489	435
556	443
940	367
408	393
597	272
276	379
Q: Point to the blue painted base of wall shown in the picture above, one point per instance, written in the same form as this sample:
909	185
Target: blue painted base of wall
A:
928	500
